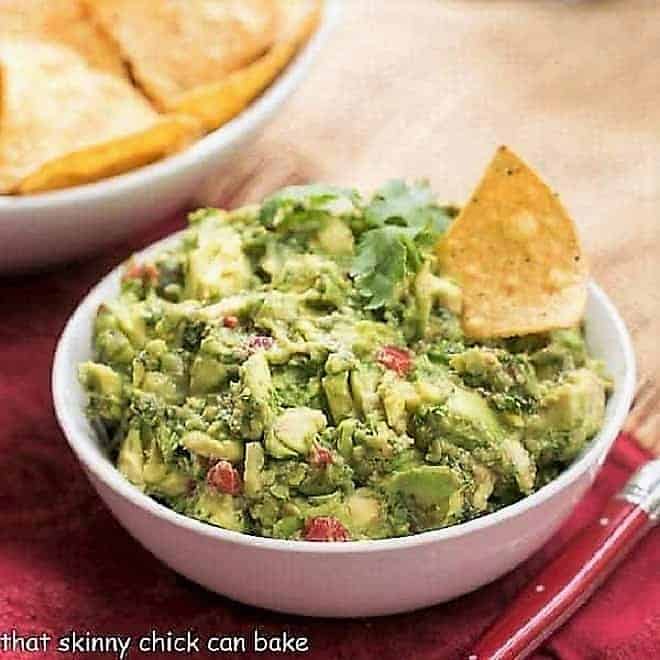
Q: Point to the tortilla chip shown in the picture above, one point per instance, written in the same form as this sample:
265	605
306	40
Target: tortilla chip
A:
64	122
516	254
64	22
297	19
111	158
173	46
217	103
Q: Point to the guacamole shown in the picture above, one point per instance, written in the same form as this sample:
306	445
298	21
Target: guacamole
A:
298	370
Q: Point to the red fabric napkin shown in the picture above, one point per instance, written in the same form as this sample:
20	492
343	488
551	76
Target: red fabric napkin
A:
65	564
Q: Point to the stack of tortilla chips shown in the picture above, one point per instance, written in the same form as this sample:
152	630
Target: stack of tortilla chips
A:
94	88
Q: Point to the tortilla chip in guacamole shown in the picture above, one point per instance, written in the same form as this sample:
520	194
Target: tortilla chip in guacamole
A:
515	252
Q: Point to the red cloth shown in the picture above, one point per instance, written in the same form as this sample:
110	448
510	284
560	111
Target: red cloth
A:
65	564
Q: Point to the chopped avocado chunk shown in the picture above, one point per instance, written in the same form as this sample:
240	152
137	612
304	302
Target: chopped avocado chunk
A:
130	321
431	493
338	394
131	458
364	385
257	376
161	478
428	485
364	509
101	379
398	397
466	420
431	290
252	413
570	413
296	428
336	237
105	389
254	464
219	509
207	374
217	267
205	445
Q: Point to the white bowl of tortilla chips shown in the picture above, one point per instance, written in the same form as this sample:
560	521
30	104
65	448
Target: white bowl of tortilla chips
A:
114	114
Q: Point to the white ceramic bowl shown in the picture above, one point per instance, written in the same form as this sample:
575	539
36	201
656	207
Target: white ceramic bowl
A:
360	578
41	230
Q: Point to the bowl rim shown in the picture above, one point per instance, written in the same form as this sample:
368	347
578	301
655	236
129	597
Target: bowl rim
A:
103	470
220	139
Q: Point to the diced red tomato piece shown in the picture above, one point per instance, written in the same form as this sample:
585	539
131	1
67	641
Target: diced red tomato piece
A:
259	343
225	478
230	322
134	272
148	273
396	359
151	272
320	457
325	528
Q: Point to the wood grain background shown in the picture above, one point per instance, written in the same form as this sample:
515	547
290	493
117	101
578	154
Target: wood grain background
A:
428	88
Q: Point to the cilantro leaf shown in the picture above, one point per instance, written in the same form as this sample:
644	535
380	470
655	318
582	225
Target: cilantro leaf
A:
402	223
301	204
385	257
398	203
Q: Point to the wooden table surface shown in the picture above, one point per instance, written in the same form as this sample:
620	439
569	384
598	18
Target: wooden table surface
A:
428	88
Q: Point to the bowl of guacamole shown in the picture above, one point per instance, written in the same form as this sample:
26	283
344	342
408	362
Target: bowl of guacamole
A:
296	375
297	370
